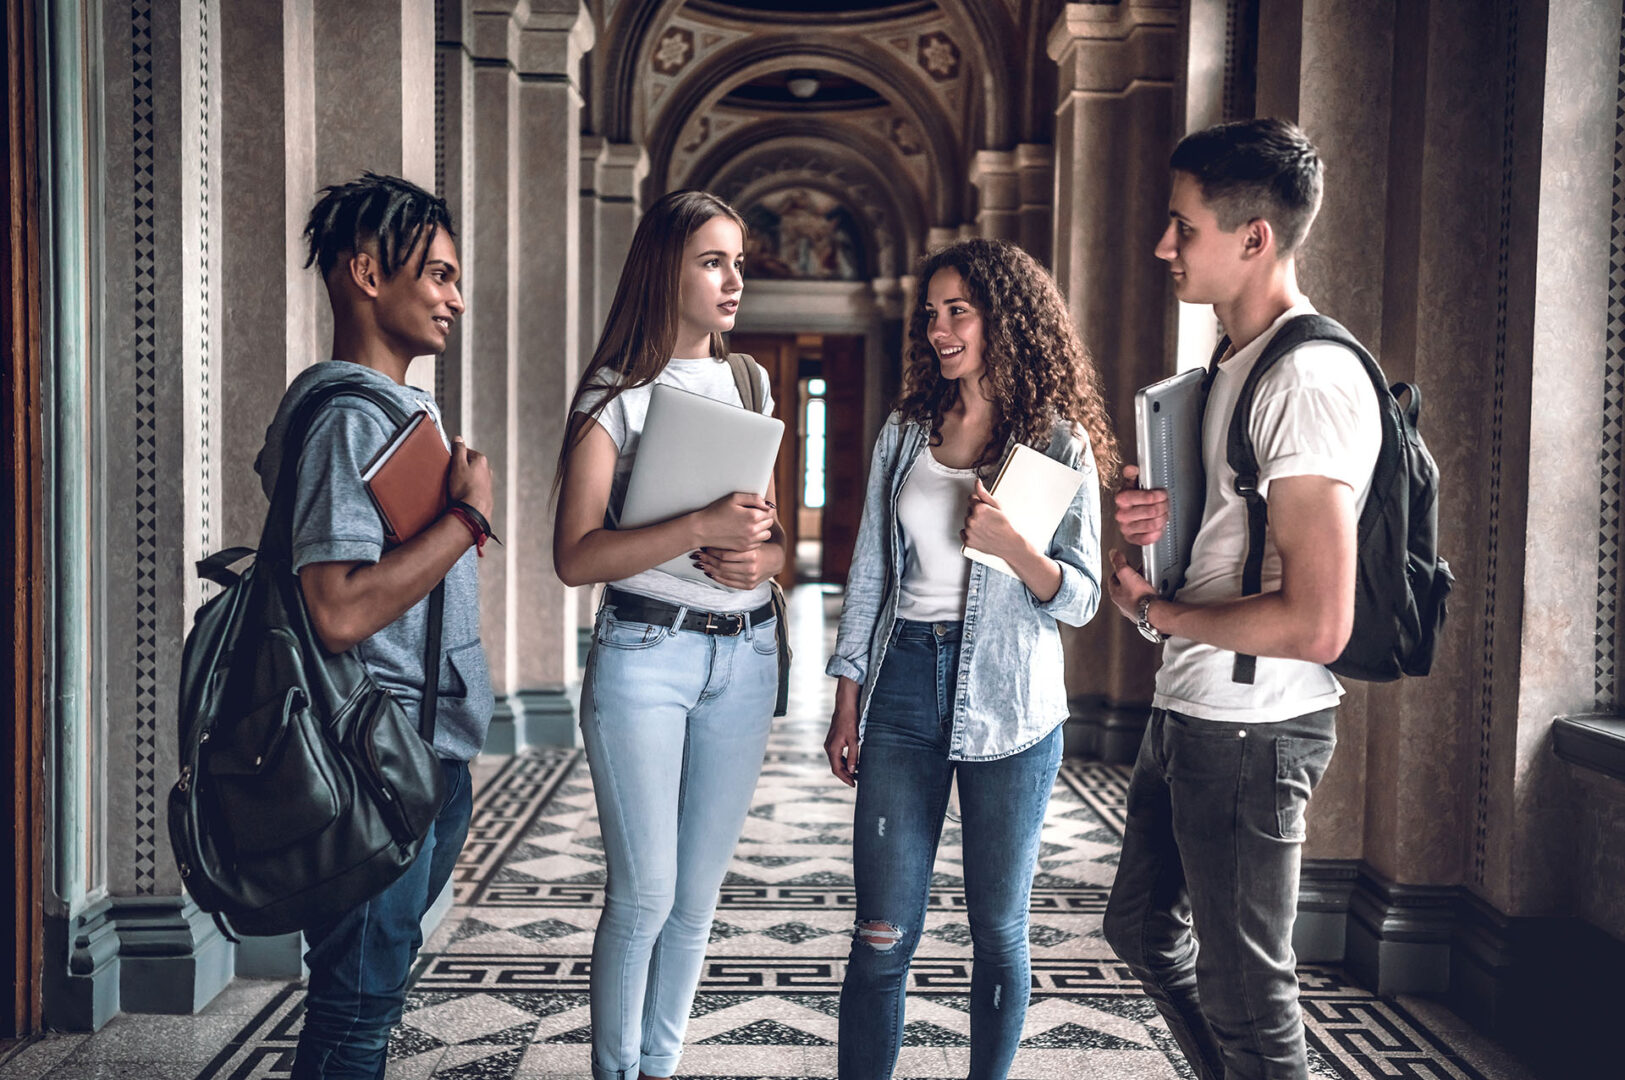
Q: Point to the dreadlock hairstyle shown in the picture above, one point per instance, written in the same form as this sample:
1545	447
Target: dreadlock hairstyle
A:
394	214
1037	371
641	328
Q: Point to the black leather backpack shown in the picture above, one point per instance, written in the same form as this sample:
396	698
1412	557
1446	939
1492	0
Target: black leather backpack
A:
304	790
1401	581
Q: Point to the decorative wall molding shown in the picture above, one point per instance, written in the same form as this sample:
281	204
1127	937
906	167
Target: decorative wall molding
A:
146	448
1492	534
1612	454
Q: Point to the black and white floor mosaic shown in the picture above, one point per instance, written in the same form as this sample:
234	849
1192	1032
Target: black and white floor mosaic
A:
500	990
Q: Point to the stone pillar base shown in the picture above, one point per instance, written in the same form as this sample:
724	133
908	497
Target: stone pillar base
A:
1104	731
82	970
549	716
173	958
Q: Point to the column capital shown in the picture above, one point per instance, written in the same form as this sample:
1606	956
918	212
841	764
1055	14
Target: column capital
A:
554	35
989	166
1108	47
621	169
591	147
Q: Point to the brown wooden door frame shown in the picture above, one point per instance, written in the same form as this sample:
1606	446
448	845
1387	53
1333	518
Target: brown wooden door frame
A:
23	611
777	353
846	453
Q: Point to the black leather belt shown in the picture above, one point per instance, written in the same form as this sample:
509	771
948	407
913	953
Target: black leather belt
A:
630	607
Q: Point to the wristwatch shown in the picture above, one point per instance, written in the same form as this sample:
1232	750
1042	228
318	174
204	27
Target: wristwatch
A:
1142	620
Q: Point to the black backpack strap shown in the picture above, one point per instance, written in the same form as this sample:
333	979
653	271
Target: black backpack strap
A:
1243	457
431	663
276	537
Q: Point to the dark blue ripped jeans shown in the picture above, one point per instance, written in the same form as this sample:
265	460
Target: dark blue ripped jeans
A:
903	779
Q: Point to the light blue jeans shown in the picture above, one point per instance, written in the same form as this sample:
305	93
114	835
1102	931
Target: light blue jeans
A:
675	723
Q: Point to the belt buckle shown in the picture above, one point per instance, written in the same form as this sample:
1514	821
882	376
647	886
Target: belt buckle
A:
711	626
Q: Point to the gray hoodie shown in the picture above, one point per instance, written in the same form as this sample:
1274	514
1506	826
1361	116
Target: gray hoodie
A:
334	520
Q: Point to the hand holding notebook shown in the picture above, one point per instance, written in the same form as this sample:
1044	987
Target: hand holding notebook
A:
1034	491
407	478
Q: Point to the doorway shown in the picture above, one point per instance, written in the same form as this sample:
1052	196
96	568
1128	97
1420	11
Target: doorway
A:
817	382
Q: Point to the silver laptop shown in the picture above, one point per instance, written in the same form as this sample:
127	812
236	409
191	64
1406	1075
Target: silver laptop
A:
1168	433
693	451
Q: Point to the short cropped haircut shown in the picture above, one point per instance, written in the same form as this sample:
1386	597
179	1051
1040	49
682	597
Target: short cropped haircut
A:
1249	169
391	213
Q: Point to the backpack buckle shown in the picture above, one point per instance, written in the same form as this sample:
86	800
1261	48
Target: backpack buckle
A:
1246	486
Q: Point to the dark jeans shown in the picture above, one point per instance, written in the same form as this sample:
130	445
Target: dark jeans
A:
903	780
359	962
1213	838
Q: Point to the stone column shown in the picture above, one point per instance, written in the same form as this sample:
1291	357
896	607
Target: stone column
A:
454	143
938	237
1035	171
268	299
492	320
156	405
612	176
547	150
374	105
1118	65
618	177
998	189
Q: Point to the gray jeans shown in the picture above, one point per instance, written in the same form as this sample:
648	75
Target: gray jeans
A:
1212	842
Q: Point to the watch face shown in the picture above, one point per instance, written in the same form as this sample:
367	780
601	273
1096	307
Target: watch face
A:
1150	633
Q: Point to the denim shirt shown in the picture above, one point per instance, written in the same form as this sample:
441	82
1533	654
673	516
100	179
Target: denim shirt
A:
1011	689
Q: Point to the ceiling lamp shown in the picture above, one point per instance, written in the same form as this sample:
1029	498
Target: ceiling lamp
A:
802	86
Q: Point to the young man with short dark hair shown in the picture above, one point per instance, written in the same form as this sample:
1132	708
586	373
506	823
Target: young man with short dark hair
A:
1216	806
386	252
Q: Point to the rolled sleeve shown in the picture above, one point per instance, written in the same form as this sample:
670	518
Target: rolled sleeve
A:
1076	550
866	578
334	519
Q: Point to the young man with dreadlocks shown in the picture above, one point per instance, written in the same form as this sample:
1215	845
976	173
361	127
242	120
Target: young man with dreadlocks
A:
386	252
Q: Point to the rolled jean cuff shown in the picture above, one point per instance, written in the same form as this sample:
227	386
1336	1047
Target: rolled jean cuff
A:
660	1064
601	1073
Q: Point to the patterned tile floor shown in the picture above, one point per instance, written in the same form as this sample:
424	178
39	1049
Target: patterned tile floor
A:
500	990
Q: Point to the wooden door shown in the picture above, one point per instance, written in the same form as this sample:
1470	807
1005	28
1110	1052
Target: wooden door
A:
777	353
22	557
846	454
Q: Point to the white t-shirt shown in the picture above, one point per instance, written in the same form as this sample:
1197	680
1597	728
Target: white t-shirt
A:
931	509
1314	414
623	419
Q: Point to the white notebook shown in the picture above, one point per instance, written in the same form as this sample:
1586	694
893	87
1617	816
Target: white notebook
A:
1033	491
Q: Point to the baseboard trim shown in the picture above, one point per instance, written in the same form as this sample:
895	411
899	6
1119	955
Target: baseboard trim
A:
1547	989
82	987
1104	730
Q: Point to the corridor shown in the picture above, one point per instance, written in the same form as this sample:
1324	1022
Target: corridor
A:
500	990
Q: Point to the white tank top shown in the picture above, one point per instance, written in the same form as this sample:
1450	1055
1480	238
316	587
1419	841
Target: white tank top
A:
931	509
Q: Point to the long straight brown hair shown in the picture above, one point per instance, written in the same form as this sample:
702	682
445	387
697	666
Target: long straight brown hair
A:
640	331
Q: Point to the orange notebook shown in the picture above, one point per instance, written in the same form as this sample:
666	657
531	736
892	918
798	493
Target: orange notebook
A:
407	479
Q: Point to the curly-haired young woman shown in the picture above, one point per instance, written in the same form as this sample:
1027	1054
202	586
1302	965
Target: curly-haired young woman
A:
950	669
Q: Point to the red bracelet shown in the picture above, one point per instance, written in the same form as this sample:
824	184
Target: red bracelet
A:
479	534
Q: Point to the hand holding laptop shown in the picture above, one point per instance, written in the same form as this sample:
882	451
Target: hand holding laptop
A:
1141	514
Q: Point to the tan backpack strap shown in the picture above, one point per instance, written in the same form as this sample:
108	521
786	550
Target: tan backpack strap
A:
745	381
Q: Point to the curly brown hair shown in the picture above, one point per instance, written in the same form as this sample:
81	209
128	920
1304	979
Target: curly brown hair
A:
1037	371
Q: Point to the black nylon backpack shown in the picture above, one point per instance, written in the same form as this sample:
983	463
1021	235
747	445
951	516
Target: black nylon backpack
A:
304	789
1401	581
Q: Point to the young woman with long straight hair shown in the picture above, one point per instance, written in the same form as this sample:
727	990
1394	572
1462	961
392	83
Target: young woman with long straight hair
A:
678	694
948	668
